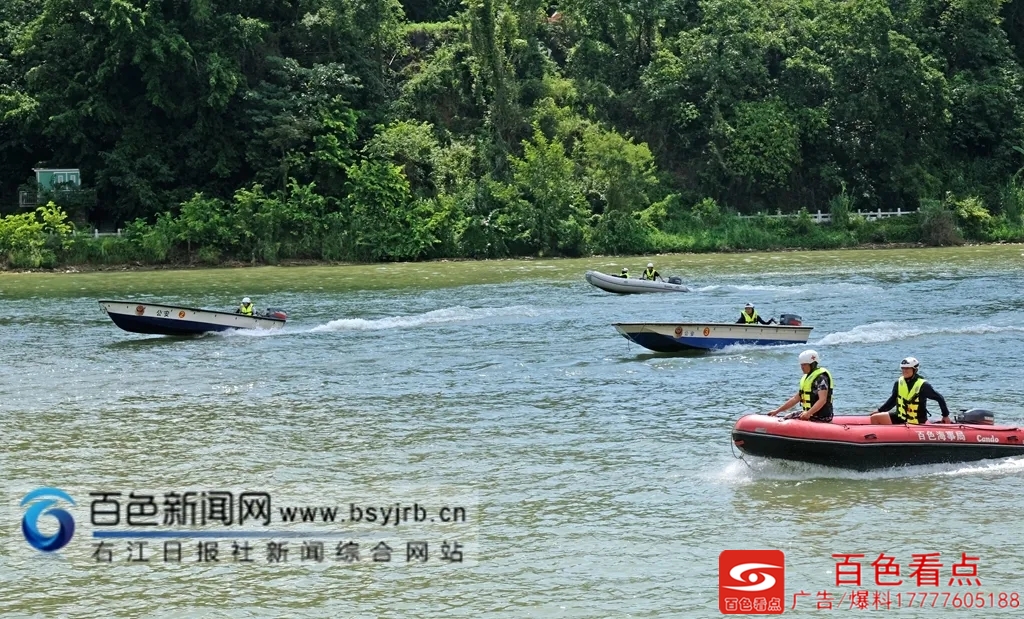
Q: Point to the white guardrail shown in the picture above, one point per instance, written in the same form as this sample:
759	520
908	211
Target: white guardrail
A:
820	217
96	233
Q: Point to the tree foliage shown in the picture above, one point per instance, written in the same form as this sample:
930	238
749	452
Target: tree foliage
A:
403	129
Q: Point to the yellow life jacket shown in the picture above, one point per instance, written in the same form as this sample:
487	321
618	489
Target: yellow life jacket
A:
751	318
908	400
247	310
649	274
807	396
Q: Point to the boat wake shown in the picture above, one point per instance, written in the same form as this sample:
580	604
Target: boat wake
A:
754	469
245	333
844	287
458	313
749	288
735	349
890	331
873	333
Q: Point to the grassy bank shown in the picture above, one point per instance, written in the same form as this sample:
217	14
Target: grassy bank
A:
45	239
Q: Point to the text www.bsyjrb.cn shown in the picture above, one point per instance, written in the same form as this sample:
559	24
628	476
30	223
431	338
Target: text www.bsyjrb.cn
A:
384	515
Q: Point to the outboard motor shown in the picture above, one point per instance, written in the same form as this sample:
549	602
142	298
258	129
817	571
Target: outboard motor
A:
276	313
790	320
675	279
977	416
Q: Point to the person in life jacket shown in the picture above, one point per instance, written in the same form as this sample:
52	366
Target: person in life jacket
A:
625	273
246	308
749	317
650	273
815	392
908	396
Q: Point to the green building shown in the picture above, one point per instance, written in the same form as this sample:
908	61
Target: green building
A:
51	178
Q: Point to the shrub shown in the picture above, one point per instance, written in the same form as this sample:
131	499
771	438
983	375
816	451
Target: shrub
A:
803	224
1013	201
839	208
619	232
208	255
32	240
938	224
152	244
971	214
707	212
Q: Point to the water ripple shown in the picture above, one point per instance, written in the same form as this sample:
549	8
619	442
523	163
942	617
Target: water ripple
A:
599	476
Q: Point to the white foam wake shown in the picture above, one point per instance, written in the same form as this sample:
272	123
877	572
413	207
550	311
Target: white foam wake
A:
890	331
838	287
757	469
747	288
874	333
458	313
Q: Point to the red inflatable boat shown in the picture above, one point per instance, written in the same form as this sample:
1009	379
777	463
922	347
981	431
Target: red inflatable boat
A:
854	443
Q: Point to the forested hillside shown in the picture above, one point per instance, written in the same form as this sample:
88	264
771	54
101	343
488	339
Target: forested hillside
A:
387	130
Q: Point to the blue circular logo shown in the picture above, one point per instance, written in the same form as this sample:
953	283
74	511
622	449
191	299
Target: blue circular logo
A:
28	524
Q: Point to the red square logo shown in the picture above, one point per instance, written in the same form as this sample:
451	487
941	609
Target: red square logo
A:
751	582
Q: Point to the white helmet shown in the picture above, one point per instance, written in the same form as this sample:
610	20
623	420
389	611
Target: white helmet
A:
625	270
748	306
650	265
246	300
808	356
910	362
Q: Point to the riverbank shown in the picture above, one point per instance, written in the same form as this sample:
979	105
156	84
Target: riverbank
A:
235	264
46	242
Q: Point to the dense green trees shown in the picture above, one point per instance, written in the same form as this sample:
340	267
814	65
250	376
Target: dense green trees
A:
387	130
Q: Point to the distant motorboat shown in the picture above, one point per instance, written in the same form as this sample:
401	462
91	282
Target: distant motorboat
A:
683	336
630	285
159	319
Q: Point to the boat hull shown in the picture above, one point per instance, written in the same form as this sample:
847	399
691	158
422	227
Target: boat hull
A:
854	443
631	285
681	336
158	319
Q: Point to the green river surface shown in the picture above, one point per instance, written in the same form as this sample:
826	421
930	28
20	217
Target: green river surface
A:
597	478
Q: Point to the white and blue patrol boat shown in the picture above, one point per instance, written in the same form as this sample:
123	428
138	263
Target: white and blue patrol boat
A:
696	336
159	319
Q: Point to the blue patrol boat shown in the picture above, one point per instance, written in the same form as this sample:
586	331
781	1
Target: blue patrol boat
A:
691	336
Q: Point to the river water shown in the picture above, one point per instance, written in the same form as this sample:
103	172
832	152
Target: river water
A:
597	478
